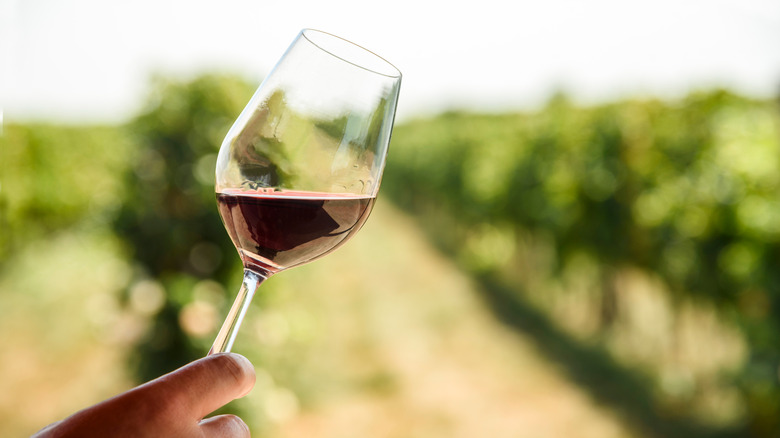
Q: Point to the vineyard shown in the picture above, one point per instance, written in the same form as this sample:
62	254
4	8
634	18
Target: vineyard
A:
622	257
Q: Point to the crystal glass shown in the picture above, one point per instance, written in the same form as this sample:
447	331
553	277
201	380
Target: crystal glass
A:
299	170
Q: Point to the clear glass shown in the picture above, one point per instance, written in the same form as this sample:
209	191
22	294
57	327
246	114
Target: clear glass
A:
298	172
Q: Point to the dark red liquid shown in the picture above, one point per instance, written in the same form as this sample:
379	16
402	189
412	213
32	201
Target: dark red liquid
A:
278	230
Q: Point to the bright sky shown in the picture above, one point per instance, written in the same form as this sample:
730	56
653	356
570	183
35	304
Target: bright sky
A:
89	60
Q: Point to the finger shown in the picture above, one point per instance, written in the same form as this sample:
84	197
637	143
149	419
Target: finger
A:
208	383
224	426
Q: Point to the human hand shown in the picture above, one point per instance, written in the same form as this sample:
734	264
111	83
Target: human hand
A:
170	406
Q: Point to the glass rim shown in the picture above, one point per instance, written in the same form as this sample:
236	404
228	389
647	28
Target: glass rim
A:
396	73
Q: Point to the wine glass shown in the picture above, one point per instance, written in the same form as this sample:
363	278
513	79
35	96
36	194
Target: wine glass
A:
299	170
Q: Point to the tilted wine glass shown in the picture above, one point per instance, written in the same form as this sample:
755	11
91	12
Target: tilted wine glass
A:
299	170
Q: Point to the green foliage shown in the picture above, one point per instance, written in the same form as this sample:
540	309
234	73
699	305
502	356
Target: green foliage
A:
685	190
169	219
50	179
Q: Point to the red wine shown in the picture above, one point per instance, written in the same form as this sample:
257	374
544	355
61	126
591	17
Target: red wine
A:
275	230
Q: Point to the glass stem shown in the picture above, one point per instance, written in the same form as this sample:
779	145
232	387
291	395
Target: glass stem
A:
227	334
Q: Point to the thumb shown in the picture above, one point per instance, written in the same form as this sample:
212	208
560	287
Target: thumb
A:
208	383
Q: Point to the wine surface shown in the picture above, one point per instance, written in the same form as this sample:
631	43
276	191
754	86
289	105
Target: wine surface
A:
275	230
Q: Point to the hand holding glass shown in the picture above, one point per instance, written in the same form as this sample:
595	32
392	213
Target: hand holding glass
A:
298	172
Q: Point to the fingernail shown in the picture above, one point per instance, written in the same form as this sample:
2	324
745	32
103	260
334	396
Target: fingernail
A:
243	361
248	368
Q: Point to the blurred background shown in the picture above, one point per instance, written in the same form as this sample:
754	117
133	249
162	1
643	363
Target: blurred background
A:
578	232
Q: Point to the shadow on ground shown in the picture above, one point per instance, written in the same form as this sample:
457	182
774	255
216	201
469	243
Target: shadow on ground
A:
606	381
